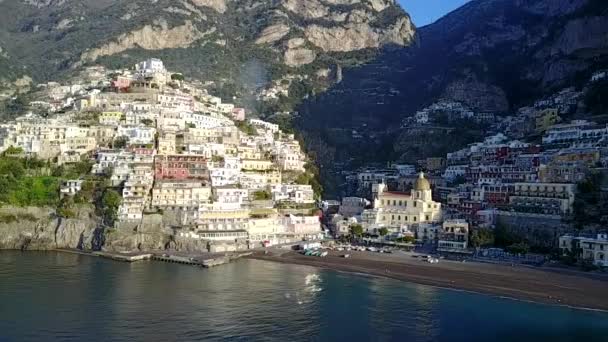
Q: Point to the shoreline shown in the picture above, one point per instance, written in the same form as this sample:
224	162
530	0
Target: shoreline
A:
515	283
534	285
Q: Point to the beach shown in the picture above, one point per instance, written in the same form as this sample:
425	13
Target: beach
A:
544	285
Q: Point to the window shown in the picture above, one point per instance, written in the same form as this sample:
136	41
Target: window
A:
415	219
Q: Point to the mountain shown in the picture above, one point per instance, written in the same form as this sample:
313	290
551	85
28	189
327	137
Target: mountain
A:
491	55
225	41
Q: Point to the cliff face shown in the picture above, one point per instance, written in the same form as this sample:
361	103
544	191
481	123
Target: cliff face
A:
38	229
493	55
210	39
35	228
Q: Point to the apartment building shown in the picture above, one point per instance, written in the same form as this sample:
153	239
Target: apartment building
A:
543	198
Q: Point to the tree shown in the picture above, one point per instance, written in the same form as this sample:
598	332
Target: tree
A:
120	142
482	237
110	201
356	230
262	195
519	248
383	231
177	77
147	122
64	208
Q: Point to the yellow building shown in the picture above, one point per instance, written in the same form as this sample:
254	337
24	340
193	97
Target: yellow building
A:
167	143
259	179
110	118
180	194
396	209
257	165
79	144
545	119
248	152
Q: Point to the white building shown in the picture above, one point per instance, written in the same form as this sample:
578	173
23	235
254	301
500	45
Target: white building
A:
295	193
308	227
264	125
454	236
71	187
594	249
137	135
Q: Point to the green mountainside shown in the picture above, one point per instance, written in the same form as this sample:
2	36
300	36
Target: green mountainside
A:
491	55
235	43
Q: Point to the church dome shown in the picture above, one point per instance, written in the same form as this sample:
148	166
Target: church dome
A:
421	183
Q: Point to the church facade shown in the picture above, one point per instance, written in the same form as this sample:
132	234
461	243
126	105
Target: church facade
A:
400	210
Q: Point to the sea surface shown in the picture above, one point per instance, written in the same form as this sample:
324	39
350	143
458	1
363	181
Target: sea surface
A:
49	296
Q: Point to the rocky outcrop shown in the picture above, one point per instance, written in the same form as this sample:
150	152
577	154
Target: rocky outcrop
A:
272	34
582	34
218	5
39	229
478	95
300	56
151	37
358	36
147	235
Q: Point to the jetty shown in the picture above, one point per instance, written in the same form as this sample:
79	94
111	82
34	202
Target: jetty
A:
206	260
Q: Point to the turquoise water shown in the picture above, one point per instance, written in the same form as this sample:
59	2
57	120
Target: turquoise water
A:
47	296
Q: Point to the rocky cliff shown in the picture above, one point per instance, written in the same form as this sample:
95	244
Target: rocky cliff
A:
35	228
40	229
210	39
492	55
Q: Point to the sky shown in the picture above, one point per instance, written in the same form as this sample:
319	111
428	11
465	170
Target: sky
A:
424	12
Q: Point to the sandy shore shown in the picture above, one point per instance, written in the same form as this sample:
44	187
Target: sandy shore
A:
551	286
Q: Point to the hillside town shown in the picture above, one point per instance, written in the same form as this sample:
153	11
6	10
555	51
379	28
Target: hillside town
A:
535	188
168	147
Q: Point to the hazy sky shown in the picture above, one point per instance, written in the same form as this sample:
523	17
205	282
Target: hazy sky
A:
424	12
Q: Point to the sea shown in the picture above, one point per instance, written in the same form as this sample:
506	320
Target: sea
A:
52	296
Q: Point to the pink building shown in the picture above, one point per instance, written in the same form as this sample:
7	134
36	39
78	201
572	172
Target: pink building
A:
181	166
121	83
238	114
141	150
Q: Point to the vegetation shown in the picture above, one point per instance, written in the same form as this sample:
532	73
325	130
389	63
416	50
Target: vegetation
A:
217	159
246	127
482	238
383	231
147	122
26	182
589	206
406	239
311	177
356	230
595	98
262	195
518	248
120	142
110	202
177	77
